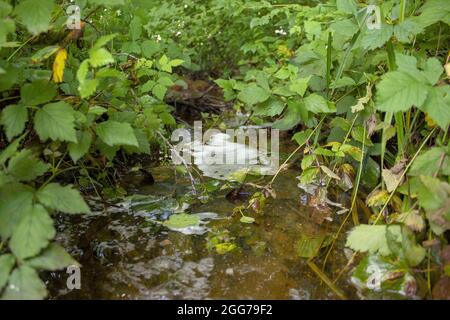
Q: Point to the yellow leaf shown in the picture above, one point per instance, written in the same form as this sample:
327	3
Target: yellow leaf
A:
430	122
58	65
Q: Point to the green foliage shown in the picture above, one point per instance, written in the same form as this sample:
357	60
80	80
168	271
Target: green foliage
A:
360	103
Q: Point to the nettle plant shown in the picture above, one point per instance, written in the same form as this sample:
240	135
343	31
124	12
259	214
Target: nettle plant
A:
379	95
70	101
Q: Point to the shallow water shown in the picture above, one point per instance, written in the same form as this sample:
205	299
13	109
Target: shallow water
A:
124	255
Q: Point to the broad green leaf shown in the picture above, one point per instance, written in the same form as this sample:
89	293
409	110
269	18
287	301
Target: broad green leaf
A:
33	233
44	53
370	238
149	48
347	6
114	133
318	104
299	86
159	91
182	220
307	161
52	258
36	17
24	166
407	29
136	28
82	71
55	121
376	38
88	87
270	108
79	149
7	262
14	118
100	57
62	198
253	94
358	135
15	200
24	284
103	40
296	112
302	137
413	252
433	11
432	192
399	91
37	92
433	70
437	105
428	162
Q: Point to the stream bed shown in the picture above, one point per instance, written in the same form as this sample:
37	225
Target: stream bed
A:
126	255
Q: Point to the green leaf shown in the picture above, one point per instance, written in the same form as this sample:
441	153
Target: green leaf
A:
78	150
376	38
44	53
26	167
318	104
253	94
246	219
14	202
116	134
299	86
14	118
64	199
182	220
37	92
399	91
432	192
302	137
88	87
82	71
347	6
428	162
370	238
433	70
53	258
25	284
100	57
103	40
55	121
159	91
358	135
437	105
270	108
36	17
7	262
33	233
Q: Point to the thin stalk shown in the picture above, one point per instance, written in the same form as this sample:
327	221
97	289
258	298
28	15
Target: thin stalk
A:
295	151
403	175
327	280
352	207
330	40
